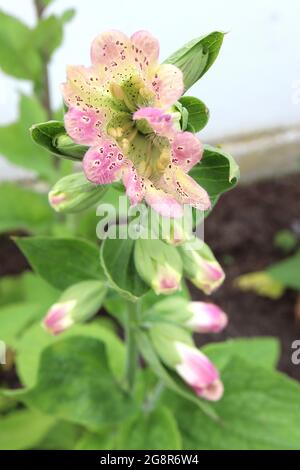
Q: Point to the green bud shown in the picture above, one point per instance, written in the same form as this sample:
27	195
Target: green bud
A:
200	265
74	193
77	304
164	337
159	265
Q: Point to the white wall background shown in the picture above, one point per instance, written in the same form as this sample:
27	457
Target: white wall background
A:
249	87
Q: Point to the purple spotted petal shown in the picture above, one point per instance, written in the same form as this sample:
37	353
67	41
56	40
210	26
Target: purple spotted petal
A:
102	163
163	203
185	189
145	49
168	85
134	184
83	126
160	121
111	49
187	150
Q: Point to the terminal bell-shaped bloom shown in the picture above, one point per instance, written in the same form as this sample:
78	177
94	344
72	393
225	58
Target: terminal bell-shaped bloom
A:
122	108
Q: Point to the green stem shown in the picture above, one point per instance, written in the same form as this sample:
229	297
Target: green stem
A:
42	89
153	397
132	353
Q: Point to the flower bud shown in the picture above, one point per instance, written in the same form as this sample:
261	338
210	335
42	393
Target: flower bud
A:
198	372
77	304
74	193
206	317
200	265
159	265
175	348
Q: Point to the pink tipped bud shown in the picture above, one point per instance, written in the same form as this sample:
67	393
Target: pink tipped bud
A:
58	317
167	280
77	304
200	266
206	317
159	265
199	373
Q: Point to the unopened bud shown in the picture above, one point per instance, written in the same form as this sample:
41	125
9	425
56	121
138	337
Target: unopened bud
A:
74	193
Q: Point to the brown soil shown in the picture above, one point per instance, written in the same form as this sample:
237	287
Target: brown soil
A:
240	231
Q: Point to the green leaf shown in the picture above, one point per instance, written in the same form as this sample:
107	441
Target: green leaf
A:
68	15
48	35
15	318
62	436
196	57
118	264
62	261
217	172
102	440
156	430
75	384
16	144
18	56
287	272
198	113
36	339
263	352
52	136
26	287
23	429
24	209
260	409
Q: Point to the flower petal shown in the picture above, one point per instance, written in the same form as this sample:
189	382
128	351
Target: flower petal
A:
163	203
83	126
159	121
84	90
168	85
187	150
145	49
111	49
102	163
134	184
185	189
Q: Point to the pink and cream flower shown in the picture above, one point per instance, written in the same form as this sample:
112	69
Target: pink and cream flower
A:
122	107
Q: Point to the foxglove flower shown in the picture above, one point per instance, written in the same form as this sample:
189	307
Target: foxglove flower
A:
198	372
122	108
206	317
